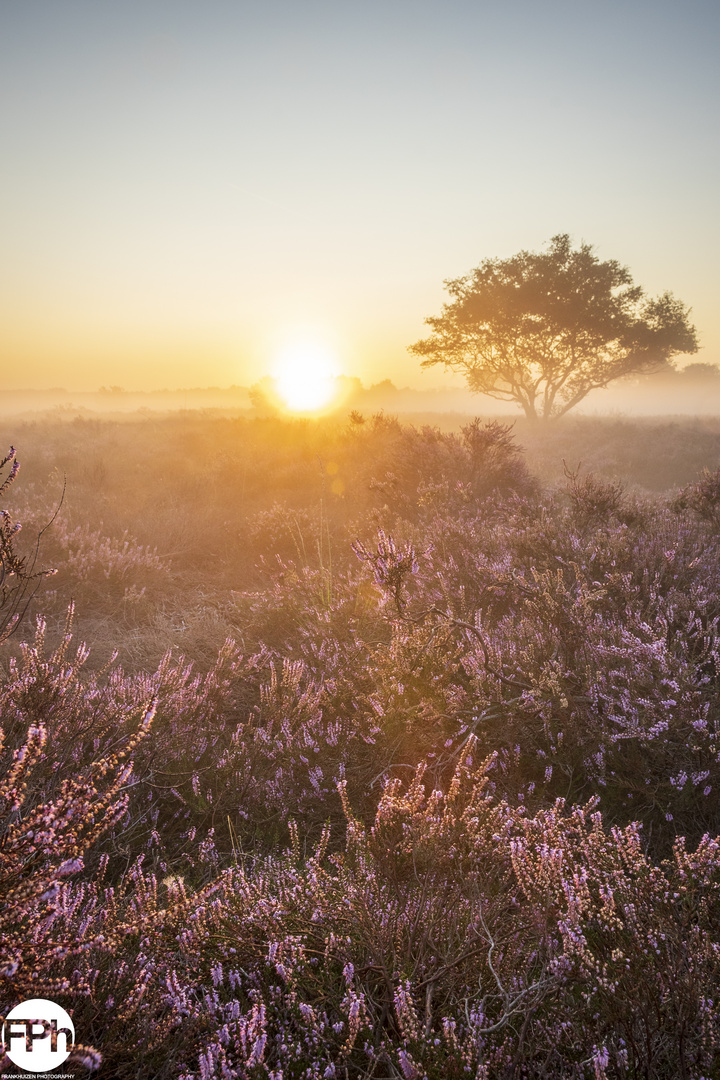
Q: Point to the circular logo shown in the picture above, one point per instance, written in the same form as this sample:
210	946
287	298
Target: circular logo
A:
38	1035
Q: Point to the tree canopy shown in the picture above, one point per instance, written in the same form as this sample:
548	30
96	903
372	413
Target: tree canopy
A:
543	329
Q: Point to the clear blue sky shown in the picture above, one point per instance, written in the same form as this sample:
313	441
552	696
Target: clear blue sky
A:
186	185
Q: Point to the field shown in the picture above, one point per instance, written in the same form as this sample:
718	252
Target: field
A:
359	748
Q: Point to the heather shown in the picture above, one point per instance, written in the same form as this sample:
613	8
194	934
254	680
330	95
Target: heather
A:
359	749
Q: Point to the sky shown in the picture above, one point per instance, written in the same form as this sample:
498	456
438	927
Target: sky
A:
189	187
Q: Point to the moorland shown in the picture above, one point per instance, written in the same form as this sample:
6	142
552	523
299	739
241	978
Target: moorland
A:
365	748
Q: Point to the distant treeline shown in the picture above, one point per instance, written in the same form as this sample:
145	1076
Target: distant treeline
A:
694	389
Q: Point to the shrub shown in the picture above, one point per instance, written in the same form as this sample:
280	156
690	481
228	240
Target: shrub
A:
18	576
444	803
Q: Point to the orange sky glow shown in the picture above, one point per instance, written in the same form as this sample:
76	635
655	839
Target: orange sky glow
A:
190	189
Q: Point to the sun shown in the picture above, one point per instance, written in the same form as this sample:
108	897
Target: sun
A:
305	377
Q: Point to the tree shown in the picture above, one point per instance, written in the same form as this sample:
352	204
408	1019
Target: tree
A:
543	329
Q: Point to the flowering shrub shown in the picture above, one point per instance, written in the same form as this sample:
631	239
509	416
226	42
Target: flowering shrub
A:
703	497
18	576
457	933
86	556
443	804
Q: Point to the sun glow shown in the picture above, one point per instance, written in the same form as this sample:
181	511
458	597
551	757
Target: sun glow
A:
305	377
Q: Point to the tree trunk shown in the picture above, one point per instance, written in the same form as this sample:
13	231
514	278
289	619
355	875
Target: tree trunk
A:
529	409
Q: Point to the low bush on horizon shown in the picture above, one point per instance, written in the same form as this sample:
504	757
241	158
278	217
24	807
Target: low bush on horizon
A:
432	788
